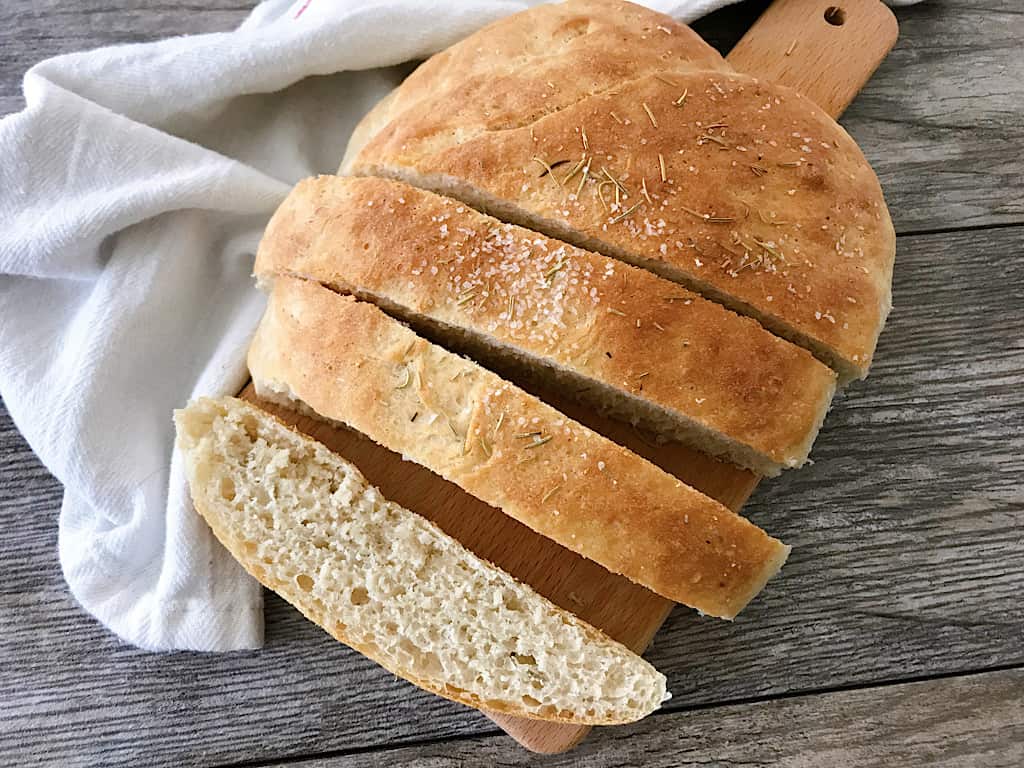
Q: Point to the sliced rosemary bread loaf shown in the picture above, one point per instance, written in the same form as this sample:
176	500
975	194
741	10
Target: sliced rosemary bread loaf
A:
632	344
351	363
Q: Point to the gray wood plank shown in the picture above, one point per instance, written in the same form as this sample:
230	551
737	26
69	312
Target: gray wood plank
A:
73	695
908	561
941	121
908	558
975	721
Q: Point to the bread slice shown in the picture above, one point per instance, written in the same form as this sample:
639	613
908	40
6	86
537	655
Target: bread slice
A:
391	584
739	189
637	346
530	64
351	363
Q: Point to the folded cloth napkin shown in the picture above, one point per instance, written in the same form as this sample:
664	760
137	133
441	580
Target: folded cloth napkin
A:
134	189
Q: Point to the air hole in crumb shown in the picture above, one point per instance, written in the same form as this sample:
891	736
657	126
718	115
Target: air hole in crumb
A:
227	489
249	547
530	701
407	645
835	16
320	543
360	596
250	426
524	659
366	246
305	582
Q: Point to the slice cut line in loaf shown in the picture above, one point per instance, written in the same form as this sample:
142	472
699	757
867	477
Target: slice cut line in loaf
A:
392	585
539	311
743	191
351	363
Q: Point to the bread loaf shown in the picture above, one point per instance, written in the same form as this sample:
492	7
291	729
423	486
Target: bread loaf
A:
351	363
530	64
391	584
739	189
631	343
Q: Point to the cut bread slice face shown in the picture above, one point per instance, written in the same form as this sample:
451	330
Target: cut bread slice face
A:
349	362
638	347
391	584
739	189
530	64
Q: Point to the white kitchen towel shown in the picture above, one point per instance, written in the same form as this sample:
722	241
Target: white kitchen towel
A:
133	191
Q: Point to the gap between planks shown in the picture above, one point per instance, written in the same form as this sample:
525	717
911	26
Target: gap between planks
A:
493	733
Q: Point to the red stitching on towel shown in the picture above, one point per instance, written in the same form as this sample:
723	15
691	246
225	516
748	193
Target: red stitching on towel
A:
305	5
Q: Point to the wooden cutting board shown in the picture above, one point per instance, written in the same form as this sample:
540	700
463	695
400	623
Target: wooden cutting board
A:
827	51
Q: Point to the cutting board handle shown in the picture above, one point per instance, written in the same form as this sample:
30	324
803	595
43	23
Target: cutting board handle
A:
826	49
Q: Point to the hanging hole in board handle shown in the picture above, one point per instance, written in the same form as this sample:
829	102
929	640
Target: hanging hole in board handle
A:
835	16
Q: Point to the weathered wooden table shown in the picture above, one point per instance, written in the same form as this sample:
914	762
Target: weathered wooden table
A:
895	636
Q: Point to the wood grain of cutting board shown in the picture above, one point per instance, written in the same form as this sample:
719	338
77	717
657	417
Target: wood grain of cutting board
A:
828	51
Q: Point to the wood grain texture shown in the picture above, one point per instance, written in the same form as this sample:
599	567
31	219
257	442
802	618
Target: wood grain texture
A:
811	46
908	561
908	551
940	115
980	722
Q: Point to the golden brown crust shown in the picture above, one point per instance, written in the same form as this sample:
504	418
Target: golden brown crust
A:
765	202
351	363
529	64
314	610
603	319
